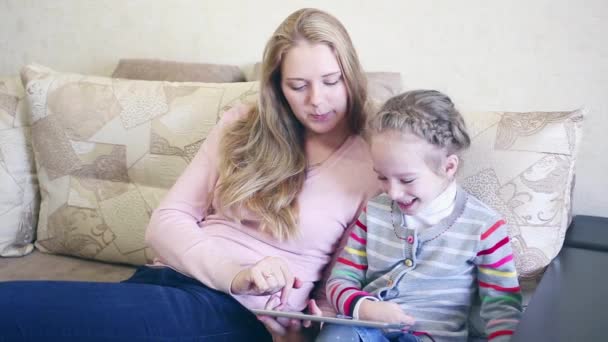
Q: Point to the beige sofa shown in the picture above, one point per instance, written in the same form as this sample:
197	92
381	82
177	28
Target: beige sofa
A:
85	159
42	266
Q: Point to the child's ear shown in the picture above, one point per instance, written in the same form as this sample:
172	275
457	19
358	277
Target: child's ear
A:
451	165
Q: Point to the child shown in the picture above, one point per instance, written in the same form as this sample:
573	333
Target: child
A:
421	252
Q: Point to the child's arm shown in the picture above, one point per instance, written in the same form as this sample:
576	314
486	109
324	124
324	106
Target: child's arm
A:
347	277
499	289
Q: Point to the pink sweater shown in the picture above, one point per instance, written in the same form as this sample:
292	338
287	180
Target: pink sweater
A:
186	234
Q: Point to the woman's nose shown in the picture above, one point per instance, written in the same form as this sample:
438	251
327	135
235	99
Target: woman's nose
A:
314	96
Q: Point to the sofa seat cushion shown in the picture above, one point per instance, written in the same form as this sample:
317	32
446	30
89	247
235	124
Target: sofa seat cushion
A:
42	266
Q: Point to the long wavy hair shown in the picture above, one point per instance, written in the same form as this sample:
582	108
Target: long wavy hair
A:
263	161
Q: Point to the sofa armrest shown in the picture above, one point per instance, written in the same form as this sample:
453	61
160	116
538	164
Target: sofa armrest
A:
588	232
570	301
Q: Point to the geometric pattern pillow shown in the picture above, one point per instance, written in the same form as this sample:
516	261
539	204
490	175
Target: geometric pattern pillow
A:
19	197
107	150
523	164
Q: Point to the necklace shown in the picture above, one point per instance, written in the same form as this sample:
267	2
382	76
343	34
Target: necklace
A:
315	165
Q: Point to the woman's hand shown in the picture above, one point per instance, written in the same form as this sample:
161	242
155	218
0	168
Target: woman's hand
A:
286	329
388	312
268	276
313	309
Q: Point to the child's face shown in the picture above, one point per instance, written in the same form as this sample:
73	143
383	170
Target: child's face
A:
402	164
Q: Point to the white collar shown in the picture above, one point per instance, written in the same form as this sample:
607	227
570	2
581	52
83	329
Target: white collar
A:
440	208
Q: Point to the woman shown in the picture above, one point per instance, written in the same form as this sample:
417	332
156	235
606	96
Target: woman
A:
258	212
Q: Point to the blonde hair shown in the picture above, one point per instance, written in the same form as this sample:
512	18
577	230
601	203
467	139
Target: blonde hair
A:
263	162
428	114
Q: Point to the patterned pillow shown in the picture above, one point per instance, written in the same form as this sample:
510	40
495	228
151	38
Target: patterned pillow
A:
107	150
19	197
522	164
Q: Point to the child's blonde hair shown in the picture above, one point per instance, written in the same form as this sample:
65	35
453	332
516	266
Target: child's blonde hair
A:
428	114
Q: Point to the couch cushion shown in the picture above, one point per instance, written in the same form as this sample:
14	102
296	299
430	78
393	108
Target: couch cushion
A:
522	164
107	150
42	266
19	198
173	71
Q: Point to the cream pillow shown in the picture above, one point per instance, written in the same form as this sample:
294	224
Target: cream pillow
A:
107	151
19	199
522	164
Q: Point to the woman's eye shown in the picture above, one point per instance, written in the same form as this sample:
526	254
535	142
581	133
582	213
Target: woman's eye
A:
407	181
383	179
297	87
332	82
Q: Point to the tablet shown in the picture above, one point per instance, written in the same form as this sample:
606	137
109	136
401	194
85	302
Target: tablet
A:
335	320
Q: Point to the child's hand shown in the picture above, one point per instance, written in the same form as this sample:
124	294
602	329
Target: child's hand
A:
387	312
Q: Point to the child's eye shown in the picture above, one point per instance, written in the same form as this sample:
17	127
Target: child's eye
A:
382	178
407	181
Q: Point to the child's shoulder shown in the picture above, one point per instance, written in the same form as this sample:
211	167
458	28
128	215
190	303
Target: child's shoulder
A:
379	205
479	209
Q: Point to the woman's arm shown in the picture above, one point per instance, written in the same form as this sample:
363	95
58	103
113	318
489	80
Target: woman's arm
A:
174	233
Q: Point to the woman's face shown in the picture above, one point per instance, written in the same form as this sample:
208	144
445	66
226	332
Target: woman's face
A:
312	83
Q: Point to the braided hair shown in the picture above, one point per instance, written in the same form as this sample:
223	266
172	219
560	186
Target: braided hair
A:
429	114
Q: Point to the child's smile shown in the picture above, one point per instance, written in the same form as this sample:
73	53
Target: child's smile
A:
405	165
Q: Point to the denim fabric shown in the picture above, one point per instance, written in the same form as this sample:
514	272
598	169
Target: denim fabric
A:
345	333
155	304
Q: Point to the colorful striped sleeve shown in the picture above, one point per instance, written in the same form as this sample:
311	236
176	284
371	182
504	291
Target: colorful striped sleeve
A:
348	274
501	301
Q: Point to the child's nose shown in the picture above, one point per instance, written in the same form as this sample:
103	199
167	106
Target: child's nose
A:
394	192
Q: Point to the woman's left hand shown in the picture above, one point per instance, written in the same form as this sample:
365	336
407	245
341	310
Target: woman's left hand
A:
286	329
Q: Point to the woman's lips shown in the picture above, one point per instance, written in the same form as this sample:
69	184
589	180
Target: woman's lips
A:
320	116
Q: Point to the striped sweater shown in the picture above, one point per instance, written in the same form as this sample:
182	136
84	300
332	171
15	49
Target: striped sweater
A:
433	274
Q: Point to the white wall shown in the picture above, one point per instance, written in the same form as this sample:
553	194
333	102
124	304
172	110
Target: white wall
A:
487	55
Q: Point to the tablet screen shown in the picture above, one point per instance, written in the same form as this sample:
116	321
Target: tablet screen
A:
336	320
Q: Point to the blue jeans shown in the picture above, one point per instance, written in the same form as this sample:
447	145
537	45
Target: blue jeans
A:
346	333
155	304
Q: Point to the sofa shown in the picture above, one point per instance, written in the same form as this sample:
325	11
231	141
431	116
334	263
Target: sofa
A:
109	251
570	300
85	159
